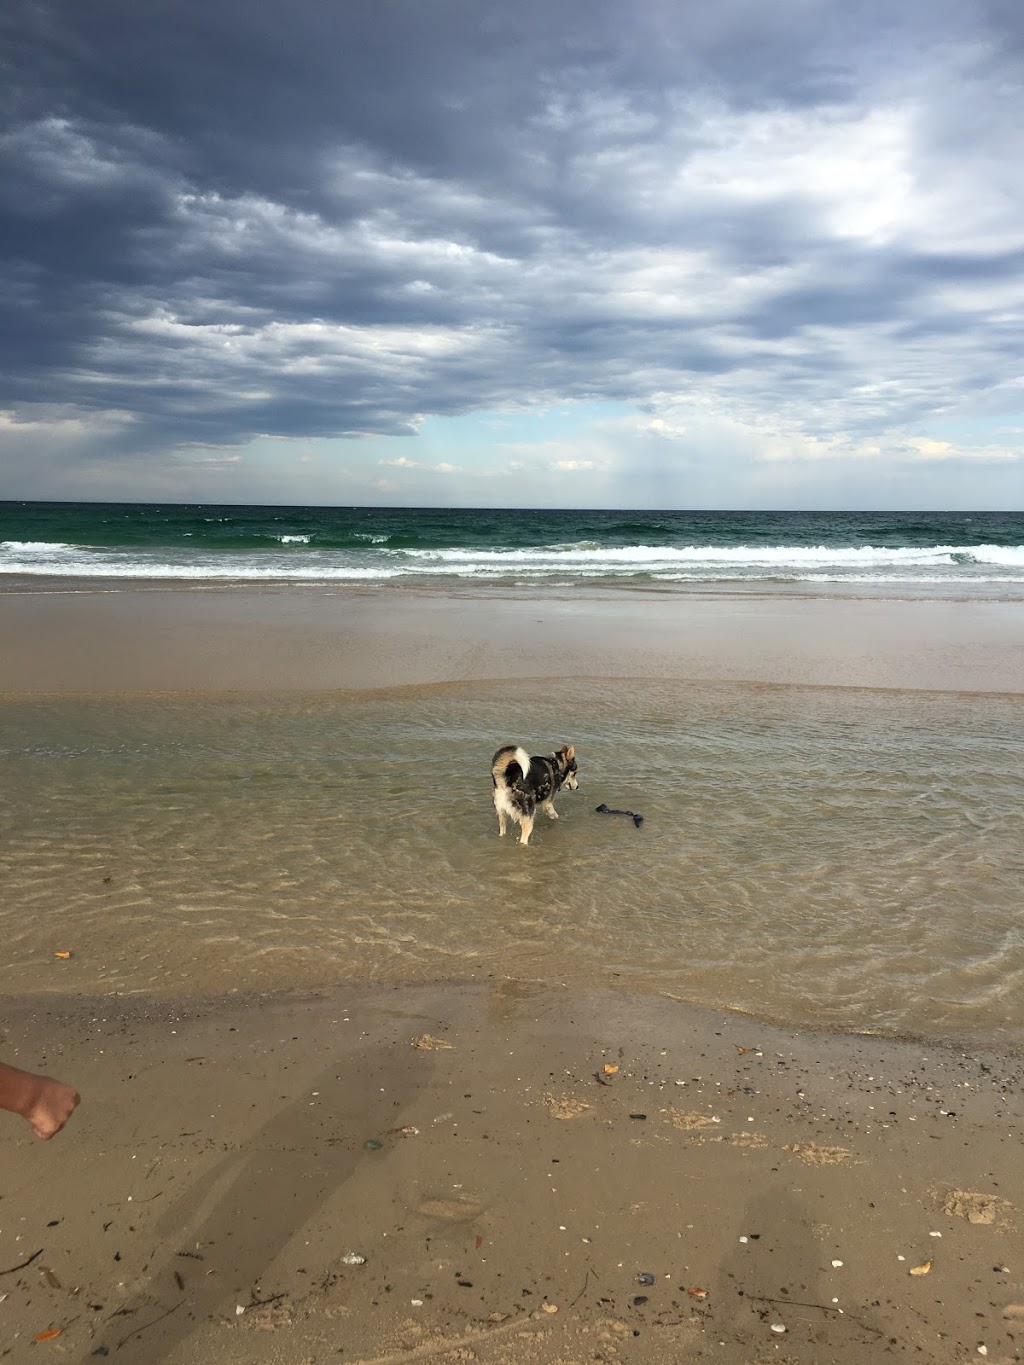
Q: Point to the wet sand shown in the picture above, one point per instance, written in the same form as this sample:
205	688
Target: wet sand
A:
527	1174
166	640
503	1188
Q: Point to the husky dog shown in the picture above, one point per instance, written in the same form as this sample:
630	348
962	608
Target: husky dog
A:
522	783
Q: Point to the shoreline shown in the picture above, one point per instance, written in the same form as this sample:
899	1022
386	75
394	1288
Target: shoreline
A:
531	1174
59	1005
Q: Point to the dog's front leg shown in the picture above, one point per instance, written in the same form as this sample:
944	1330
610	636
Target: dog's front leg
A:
549	810
526	826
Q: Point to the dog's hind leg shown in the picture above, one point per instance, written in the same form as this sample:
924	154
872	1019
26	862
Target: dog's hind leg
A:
501	824
549	810
526	828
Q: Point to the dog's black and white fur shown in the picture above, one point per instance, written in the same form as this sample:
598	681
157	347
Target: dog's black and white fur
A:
522	783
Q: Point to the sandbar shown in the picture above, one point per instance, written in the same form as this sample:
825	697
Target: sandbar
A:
175	640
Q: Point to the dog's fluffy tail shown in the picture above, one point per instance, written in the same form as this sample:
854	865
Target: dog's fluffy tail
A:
504	759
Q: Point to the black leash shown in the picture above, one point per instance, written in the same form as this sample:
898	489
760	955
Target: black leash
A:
602	809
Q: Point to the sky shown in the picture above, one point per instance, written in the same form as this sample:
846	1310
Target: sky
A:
649	253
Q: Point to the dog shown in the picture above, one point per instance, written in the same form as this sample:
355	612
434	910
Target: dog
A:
522	783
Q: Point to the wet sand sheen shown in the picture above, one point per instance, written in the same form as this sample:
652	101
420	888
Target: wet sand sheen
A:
841	857
132	640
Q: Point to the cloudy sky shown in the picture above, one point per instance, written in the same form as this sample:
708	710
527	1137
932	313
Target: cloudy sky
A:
547	252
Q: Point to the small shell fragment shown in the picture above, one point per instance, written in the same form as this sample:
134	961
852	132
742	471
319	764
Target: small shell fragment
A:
353	1258
921	1269
836	1265
778	1327
550	1307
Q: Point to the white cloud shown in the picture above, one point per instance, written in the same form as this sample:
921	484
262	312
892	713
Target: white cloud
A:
789	237
440	467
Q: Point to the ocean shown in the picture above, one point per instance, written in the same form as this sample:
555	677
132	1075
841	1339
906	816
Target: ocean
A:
893	553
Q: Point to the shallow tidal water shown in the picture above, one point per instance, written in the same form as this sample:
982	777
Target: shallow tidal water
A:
821	857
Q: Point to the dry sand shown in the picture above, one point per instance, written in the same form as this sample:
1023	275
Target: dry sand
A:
202	1201
523	1204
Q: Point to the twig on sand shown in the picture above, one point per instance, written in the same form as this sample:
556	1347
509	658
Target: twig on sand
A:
146	1326
824	1307
582	1291
445	1344
22	1264
260	1303
794	1303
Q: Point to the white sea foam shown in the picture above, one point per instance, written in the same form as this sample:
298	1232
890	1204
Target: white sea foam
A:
32	546
768	556
70	561
582	560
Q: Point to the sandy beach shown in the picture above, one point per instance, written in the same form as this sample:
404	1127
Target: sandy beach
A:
502	1170
526	1174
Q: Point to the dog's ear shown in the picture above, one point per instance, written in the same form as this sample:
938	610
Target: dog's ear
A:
570	751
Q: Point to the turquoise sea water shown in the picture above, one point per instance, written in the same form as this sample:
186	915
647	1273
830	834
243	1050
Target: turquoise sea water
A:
912	552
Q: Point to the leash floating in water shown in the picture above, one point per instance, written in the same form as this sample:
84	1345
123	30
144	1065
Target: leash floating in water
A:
602	809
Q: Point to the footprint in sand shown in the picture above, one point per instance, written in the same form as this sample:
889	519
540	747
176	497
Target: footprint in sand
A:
973	1205
566	1107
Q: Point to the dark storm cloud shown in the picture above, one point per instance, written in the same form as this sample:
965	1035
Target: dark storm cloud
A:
223	219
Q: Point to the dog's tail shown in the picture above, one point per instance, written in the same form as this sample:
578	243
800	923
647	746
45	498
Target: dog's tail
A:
511	755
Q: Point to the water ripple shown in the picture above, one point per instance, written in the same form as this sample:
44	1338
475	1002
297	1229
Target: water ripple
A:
844	859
